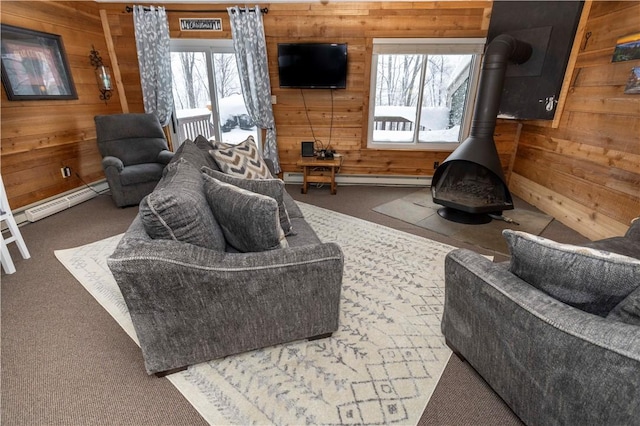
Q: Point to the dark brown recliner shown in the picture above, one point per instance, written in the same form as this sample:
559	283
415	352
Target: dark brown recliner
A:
134	153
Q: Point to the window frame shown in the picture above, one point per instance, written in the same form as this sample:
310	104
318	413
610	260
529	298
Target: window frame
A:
209	47
425	46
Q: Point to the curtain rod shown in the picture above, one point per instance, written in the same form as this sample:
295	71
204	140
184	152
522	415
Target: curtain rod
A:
129	9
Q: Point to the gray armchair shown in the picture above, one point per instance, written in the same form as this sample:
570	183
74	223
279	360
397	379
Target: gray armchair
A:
134	152
554	359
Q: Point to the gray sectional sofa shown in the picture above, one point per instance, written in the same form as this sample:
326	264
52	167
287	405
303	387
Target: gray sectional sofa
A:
555	331
193	296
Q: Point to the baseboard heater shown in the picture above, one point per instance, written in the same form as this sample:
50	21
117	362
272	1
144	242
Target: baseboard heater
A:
60	203
382	180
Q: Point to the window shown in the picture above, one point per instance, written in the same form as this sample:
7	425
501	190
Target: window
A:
207	94
422	92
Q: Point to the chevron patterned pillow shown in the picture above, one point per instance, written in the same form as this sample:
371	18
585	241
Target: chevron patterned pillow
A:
242	160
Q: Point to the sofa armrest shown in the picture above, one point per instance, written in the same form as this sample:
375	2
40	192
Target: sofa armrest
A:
165	156
189	304
269	163
110	161
551	363
634	230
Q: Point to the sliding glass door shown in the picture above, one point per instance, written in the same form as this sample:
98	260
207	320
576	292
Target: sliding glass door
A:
207	94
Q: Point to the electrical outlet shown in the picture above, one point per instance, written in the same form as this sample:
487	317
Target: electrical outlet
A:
65	171
435	164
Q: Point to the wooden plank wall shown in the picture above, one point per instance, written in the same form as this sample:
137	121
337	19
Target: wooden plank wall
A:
355	24
586	172
32	155
40	137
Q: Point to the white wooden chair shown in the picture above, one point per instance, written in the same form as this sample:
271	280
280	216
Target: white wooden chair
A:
7	216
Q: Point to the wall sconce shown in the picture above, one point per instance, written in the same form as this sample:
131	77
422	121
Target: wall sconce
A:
102	75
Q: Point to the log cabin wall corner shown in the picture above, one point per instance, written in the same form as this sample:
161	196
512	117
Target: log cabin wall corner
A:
586	172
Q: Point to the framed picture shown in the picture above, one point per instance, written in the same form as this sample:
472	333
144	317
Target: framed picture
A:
627	48
633	84
34	65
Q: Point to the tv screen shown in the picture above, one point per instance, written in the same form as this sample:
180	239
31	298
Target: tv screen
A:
312	65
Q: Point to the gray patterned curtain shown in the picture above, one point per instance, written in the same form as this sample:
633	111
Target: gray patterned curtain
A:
251	55
154	58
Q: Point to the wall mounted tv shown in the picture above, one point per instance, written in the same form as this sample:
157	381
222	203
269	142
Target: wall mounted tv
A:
312	65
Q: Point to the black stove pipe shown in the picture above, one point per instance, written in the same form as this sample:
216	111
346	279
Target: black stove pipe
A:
500	51
479	147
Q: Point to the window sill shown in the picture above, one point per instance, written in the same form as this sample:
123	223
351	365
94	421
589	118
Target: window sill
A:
398	146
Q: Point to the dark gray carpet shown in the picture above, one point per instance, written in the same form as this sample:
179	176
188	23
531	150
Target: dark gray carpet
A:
65	361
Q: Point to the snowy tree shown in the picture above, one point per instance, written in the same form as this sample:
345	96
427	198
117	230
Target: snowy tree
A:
397	77
226	75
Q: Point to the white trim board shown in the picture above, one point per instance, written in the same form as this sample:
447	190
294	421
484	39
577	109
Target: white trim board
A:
100	186
381	180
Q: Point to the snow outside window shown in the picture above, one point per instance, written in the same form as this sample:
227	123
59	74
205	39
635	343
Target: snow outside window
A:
207	95
422	92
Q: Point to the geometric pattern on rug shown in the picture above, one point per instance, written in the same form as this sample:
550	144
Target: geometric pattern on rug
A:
418	209
380	367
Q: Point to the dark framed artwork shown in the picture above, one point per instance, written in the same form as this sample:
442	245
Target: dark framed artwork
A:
34	65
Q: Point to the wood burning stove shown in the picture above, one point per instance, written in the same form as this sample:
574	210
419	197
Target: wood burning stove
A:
470	183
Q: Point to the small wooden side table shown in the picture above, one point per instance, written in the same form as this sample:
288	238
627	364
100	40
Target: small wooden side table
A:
319	171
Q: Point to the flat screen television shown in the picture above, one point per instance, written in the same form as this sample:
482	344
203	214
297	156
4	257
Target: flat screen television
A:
312	65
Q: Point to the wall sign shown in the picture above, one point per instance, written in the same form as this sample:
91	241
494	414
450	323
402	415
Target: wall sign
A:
200	24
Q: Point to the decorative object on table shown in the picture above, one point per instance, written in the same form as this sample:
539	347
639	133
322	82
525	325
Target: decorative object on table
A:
633	84
34	65
380	367
103	77
627	48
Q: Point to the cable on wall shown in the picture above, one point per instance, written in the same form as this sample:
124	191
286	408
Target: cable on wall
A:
310	125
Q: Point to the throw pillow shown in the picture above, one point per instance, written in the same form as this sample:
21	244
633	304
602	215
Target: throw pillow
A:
225	145
242	160
248	220
189	151
628	310
177	209
273	188
203	143
591	280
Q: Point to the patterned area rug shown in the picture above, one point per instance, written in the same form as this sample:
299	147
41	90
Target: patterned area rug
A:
380	367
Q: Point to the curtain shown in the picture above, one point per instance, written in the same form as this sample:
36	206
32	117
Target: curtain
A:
251	56
154	58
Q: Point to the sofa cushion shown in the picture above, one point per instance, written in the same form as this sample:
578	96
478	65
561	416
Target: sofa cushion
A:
273	188
203	143
177	209
249	221
189	151
628	310
625	246
592	280
241	160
